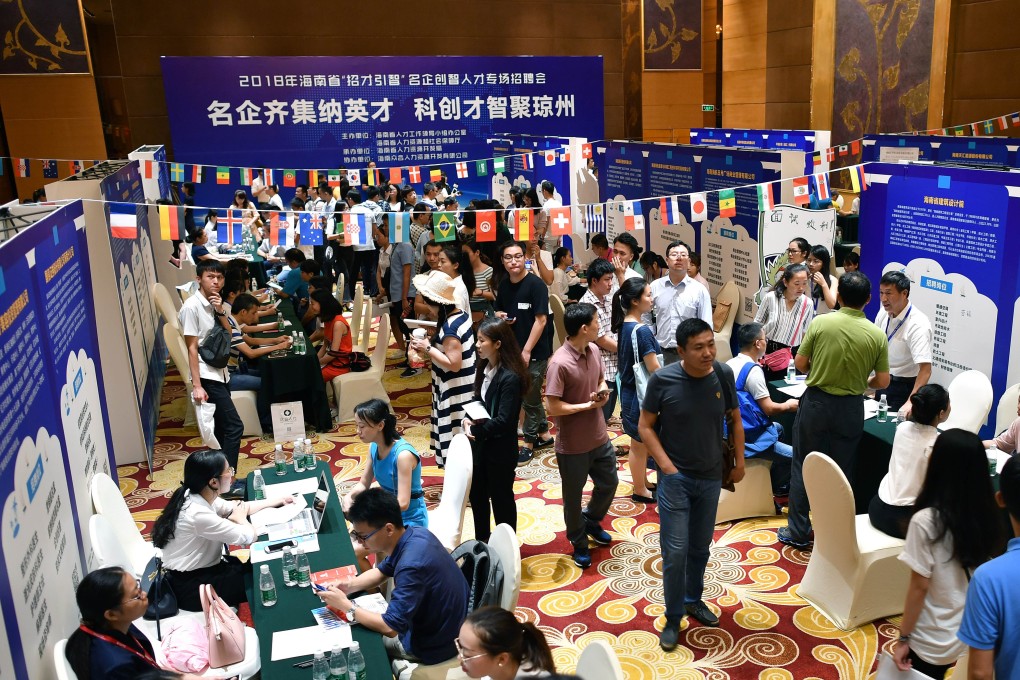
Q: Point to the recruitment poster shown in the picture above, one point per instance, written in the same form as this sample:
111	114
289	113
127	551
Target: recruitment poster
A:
671	171
624	182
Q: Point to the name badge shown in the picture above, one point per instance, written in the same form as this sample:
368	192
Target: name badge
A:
523	305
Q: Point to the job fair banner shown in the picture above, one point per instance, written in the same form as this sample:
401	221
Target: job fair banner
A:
54	435
956	233
976	151
342	112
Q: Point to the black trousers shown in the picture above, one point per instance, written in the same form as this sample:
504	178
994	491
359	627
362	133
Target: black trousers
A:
898	392
931	670
492	485
228	427
228	578
890	519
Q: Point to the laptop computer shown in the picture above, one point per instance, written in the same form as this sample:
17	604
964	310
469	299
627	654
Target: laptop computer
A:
309	520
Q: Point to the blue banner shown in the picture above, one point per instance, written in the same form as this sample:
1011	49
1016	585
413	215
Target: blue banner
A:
978	151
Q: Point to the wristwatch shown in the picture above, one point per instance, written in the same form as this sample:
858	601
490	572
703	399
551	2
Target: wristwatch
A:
350	612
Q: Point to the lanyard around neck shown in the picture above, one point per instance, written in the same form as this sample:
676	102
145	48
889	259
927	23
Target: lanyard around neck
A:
106	638
889	336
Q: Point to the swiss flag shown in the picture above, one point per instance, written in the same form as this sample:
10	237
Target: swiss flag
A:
560	220
586	151
485	226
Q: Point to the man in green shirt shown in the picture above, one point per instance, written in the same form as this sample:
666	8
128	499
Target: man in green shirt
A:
839	353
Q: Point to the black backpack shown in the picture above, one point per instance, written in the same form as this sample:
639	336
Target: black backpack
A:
483	571
215	349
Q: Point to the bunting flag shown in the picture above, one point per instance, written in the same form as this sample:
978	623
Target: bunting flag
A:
49	169
989	127
629	222
277	229
801	195
522	224
976	129
222	175
171	222
435	175
669	210
858	180
196	174
844	150
354	177
372	177
816	158
1	167
234	226
550	157
527	163
400	226
147	169
1016	119
356	229
289	178
396	176
1003	122
699	207
766	199
594	218
245	176
414	174
76	166
313	182
333	178
24	167
822	186
123	220
309	229
498	165
444	226
560	220
565	154
481	168
855	147
727	203
830	154
268	176
462	170
586	151
485	226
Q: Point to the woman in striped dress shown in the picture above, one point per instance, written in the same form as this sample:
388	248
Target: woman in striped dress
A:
452	352
785	312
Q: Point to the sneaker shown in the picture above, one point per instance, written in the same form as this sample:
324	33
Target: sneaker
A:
524	455
596	532
785	537
582	557
542	443
669	636
700	612
410	372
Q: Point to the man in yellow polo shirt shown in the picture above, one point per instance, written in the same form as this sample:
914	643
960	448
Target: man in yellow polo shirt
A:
838	353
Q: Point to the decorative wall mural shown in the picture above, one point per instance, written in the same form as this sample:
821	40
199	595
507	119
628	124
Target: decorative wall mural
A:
671	34
42	36
883	63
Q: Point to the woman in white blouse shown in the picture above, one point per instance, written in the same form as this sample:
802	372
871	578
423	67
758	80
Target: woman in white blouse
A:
196	524
785	313
823	284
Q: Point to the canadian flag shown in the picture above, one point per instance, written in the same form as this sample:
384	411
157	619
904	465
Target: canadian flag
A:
550	157
462	170
801	193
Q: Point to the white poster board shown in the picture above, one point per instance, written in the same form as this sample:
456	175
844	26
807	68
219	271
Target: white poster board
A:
288	421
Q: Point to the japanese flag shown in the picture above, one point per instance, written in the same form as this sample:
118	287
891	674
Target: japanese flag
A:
699	207
550	157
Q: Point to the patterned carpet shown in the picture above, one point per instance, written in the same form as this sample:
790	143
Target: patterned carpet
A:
767	632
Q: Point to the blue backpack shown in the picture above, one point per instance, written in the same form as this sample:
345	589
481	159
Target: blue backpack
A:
759	431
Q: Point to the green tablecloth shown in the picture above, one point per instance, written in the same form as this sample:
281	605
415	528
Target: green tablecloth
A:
296	377
294	605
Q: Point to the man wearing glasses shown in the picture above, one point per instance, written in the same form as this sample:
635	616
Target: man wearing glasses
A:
430	594
676	297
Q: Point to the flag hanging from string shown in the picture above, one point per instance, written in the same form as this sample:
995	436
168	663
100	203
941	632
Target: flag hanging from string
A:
485	226
594	218
560	220
727	203
123	220
699	207
400	226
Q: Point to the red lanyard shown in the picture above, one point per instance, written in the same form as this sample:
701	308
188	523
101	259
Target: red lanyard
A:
106	638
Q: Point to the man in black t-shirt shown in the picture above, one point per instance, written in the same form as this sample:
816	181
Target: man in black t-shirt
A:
682	426
523	300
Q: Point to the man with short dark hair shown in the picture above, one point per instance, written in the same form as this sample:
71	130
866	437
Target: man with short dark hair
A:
292	285
429	600
301	194
908	331
575	392
543	218
428	195
275	201
600	277
682	425
365	258
600	246
677	297
991	617
838	353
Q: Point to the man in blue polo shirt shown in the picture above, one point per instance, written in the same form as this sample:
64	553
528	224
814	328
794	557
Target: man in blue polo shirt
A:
430	594
991	618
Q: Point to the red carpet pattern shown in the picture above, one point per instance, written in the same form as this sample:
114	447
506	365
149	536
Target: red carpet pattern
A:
767	632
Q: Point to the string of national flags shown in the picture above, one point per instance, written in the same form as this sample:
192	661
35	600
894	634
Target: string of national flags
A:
355	228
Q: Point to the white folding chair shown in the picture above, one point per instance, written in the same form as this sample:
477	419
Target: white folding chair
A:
60	662
1005	412
135	551
559	327
753	494
107	549
728	294
350	389
447	520
970	395
598	661
854	575
503	542
165	305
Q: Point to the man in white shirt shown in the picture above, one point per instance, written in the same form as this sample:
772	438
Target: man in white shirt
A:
677	297
198	317
275	200
908	331
259	192
365	258
549	201
428	195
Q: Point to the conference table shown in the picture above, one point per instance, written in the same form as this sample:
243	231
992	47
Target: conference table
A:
294	604
295	377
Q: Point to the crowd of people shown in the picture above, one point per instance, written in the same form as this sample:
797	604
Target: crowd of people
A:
638	331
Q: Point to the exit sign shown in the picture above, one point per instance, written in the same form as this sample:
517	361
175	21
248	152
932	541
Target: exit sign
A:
707	107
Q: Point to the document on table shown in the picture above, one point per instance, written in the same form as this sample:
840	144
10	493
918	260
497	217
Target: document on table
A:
796	391
288	644
299	486
309	543
284	513
870	408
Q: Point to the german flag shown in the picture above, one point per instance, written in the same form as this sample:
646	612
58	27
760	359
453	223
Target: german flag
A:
171	222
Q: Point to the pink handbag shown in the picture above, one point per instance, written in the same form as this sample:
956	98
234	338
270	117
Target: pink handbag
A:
225	630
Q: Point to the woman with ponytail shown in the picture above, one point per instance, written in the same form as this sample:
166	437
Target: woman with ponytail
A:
891	508
393	462
494	644
107	644
195	525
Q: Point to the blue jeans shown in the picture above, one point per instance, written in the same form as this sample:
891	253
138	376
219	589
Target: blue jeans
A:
687	509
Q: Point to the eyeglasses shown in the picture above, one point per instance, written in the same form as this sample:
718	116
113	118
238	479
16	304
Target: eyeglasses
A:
229	473
363	539
139	596
510	258
791	251
460	651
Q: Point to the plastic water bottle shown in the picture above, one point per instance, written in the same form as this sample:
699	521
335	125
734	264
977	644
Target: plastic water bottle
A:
258	486
267	586
791	372
302	347
304	572
280	461
320	667
254	284
311	462
289	567
337	664
299	456
356	664
883	410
